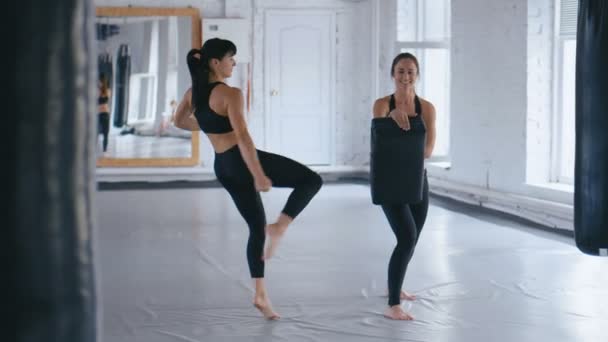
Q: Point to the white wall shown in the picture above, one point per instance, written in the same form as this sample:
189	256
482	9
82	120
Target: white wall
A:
488	93
500	108
540	83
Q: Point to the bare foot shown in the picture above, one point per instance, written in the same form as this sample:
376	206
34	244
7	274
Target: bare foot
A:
407	296
275	233
263	304
396	312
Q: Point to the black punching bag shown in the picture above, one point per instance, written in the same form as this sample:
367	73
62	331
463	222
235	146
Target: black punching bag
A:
105	67
591	166
123	72
47	230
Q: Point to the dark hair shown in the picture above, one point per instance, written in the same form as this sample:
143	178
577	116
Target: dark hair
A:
199	67
405	55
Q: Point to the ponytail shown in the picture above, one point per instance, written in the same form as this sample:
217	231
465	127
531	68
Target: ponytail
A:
199	72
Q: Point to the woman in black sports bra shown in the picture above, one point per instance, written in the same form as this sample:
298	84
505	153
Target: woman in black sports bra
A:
103	110
406	220
241	169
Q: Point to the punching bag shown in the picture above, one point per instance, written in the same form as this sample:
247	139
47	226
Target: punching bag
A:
47	233
396	162
123	72
104	59
591	161
105	67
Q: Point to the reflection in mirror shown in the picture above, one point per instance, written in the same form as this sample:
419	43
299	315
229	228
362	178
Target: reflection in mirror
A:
141	80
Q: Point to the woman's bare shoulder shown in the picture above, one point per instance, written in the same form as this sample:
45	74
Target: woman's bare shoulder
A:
224	89
381	106
427	106
230	93
384	99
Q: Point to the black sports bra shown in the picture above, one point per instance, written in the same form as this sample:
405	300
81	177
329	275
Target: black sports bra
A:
103	100
417	105
210	121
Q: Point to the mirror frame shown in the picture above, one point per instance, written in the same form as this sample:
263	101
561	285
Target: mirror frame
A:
194	14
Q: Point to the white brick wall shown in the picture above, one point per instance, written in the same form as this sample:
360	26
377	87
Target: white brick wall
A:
501	104
501	53
488	93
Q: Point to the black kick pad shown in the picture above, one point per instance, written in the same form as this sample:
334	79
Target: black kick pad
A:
591	166
397	161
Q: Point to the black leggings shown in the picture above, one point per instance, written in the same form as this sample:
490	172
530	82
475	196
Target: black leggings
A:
103	127
406	220
233	174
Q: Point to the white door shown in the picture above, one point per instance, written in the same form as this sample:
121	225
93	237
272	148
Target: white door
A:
299	71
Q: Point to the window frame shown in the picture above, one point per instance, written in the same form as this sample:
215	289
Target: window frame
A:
557	117
421	46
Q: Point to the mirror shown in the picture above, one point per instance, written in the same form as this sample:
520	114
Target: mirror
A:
142	76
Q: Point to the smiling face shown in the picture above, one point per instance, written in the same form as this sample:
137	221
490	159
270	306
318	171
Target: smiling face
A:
405	74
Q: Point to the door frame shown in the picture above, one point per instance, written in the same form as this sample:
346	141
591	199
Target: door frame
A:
332	73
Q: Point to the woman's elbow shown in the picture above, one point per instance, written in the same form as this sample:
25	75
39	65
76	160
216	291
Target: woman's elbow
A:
242	136
428	152
182	123
178	123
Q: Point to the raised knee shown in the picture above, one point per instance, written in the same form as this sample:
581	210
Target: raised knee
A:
315	182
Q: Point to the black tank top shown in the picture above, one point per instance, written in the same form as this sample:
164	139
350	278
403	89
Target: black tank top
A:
210	121
417	105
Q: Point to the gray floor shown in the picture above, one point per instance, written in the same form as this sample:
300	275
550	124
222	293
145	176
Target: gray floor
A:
173	268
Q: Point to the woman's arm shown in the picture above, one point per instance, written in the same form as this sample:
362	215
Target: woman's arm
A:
381	107
183	114
428	115
246	146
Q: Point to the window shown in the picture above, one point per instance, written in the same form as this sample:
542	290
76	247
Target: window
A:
563	141
423	29
142	95
143	86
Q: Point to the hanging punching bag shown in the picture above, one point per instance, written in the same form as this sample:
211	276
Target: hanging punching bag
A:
591	166
48	273
104	59
104	66
123	72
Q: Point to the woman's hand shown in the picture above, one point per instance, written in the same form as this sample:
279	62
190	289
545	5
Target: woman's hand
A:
262	183
401	118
